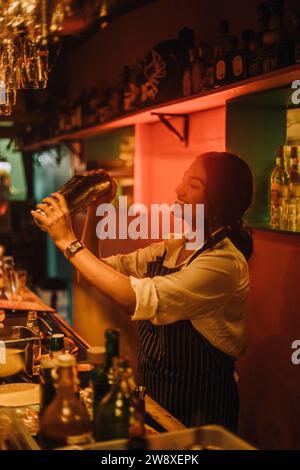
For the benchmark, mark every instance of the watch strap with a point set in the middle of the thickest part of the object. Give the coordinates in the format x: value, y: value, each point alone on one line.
x: 73, y: 248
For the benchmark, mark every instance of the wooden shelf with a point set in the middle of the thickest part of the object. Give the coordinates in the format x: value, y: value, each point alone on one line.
x: 211, y: 99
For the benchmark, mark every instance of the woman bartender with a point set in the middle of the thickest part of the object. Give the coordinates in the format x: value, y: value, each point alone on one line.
x: 190, y: 304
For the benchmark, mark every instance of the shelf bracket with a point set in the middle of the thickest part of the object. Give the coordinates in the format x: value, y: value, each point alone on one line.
x: 184, y: 136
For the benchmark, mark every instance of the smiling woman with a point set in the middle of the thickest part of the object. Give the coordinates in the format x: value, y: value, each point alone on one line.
x: 190, y: 306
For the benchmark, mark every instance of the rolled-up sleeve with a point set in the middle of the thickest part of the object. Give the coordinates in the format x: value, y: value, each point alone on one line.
x: 135, y: 263
x: 199, y: 289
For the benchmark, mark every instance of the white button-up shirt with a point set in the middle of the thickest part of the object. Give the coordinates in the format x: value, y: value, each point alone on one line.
x: 211, y: 292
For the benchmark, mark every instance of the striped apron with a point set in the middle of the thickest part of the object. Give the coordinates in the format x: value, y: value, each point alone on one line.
x: 182, y: 371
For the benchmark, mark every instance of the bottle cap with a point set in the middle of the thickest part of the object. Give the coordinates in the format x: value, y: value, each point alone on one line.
x: 96, y: 355
x: 65, y: 360
x: 57, y: 342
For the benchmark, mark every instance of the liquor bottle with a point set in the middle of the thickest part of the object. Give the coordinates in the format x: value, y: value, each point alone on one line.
x: 237, y: 60
x: 99, y: 382
x: 276, y: 46
x: 188, y: 60
x: 295, y: 17
x: 187, y: 74
x: 112, y: 347
x: 279, y: 192
x: 56, y: 345
x: 112, y: 420
x: 65, y: 421
x: 132, y: 90
x: 256, y: 44
x: 199, y: 68
x: 137, y: 418
x: 221, y: 56
x: 47, y: 387
x: 294, y: 189
x: 101, y: 377
x: 249, y: 46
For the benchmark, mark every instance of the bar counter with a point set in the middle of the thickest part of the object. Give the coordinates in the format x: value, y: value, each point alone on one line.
x: 157, y: 418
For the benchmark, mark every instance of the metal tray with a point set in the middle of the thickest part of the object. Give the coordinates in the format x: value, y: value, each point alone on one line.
x: 17, y: 344
x: 13, y: 434
x: 210, y: 437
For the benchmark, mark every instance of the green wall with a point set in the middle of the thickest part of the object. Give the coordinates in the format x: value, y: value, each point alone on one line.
x: 256, y: 125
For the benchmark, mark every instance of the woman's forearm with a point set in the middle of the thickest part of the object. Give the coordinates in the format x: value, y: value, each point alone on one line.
x: 89, y: 236
x: 110, y: 282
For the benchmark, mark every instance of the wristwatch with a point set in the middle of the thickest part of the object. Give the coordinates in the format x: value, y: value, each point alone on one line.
x: 73, y: 248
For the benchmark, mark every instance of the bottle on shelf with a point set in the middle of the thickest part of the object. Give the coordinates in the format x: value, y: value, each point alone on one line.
x: 221, y: 56
x: 131, y: 90
x: 276, y: 46
x: 294, y: 191
x: 256, y: 43
x: 249, y: 46
x: 56, y: 346
x: 295, y: 16
x: 65, y: 421
x: 237, y: 61
x: 188, y: 62
x: 199, y: 68
x: 279, y: 192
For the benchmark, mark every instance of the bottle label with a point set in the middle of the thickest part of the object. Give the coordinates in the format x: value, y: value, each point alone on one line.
x: 79, y: 439
x: 237, y: 66
x: 221, y: 69
x: 295, y: 190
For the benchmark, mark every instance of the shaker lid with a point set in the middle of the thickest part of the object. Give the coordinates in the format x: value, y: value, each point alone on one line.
x: 96, y: 355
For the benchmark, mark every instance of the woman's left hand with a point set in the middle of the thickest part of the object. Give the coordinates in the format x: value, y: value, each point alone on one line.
x: 57, y: 221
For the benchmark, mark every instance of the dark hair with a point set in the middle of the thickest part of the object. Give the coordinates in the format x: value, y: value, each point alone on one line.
x: 228, y: 194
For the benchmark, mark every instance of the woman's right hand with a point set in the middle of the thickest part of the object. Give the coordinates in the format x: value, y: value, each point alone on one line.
x: 108, y: 196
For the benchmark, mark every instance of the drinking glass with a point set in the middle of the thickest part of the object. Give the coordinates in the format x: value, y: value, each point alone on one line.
x: 22, y: 278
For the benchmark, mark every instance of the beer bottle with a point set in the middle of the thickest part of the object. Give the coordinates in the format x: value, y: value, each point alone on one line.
x: 99, y: 377
x: 111, y: 347
x: 65, y: 421
x: 112, y: 418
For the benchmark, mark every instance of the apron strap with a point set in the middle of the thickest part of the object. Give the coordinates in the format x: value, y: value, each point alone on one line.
x: 209, y: 244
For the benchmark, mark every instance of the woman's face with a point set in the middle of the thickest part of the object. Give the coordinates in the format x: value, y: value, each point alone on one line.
x: 191, y: 188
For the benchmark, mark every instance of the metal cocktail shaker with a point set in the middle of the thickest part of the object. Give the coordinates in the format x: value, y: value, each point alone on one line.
x: 82, y: 190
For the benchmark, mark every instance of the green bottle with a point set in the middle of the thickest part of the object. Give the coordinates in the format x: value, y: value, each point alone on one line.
x: 98, y: 378
x: 112, y: 420
x: 111, y: 347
